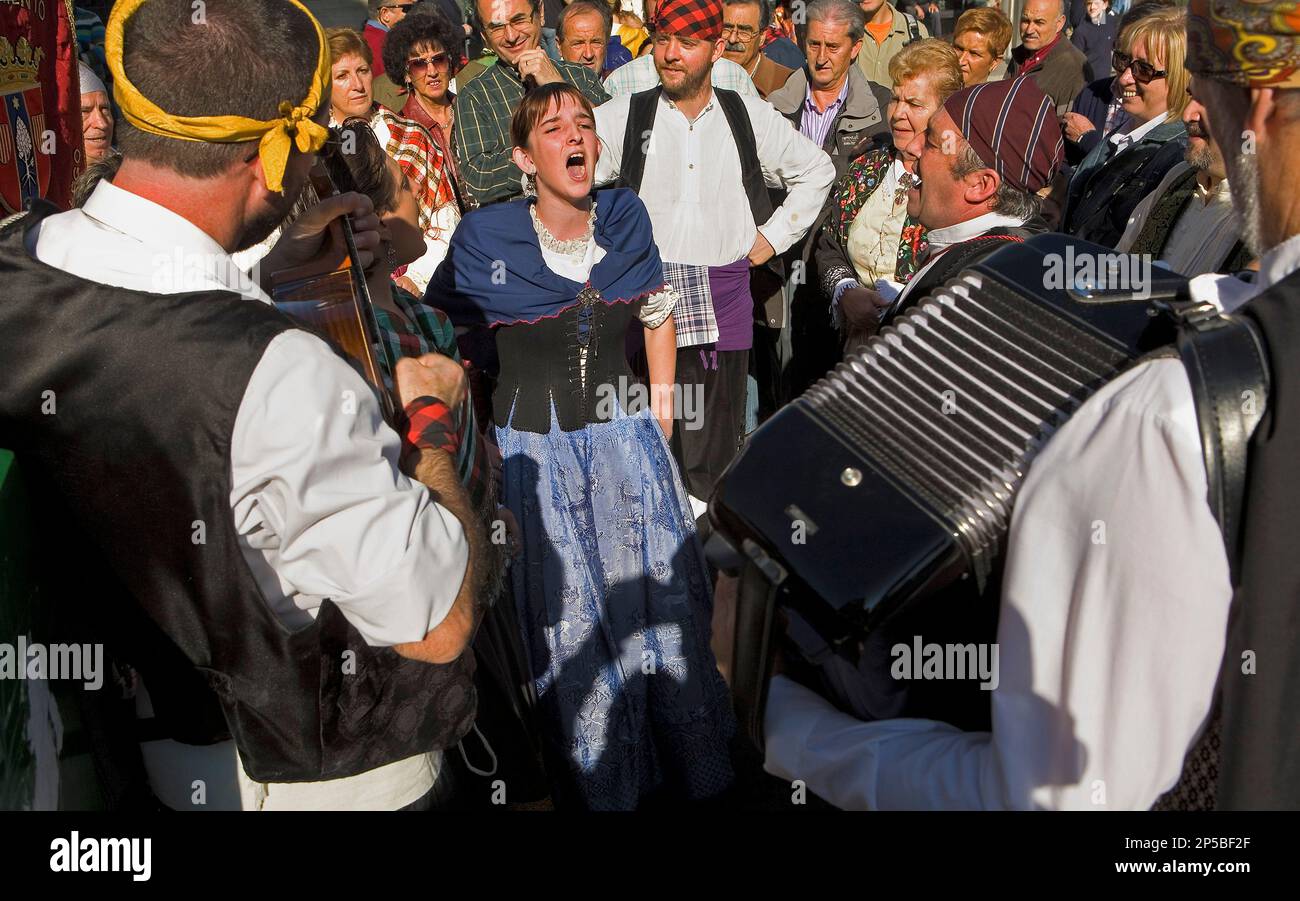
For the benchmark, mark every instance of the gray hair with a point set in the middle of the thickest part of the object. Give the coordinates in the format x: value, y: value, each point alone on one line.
x: 586, y: 6
x: 1008, y: 201
x: 840, y: 12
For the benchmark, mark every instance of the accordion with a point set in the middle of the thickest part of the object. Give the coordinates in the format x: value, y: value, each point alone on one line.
x: 890, y: 483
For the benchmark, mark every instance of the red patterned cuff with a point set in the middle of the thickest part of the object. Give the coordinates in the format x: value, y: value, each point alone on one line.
x: 429, y: 424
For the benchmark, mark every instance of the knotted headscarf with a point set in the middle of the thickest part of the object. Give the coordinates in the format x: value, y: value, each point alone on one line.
x: 292, y: 128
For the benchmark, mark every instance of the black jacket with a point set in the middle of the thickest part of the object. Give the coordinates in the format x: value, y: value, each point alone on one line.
x: 1104, y: 190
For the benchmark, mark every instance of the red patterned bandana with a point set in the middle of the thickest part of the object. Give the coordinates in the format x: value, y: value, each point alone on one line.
x: 699, y: 19
x: 1011, y: 125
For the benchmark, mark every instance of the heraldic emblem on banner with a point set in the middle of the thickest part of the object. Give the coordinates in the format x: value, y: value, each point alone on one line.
x: 24, y: 168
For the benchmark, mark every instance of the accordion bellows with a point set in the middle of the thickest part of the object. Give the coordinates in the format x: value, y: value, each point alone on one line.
x: 897, y: 473
x: 953, y: 401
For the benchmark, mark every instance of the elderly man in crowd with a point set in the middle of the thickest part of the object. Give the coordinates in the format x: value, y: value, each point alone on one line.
x: 96, y: 116
x: 583, y: 36
x: 384, y: 14
x: 744, y: 22
x: 484, y: 107
x: 1046, y: 55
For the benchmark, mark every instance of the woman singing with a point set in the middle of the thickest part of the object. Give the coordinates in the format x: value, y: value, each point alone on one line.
x: 612, y: 589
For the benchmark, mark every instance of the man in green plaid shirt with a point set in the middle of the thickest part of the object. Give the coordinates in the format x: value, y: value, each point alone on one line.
x: 512, y: 29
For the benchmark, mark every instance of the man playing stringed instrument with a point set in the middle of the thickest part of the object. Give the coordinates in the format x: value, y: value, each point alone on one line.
x: 301, y: 577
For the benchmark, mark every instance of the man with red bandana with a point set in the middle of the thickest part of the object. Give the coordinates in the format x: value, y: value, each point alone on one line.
x: 702, y: 158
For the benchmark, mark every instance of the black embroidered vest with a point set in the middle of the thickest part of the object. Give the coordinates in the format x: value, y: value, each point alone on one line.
x: 543, y: 363
x: 123, y: 404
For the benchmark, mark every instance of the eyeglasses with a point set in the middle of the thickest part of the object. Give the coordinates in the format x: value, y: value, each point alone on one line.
x: 420, y: 63
x: 742, y: 34
x: 518, y: 23
x: 404, y: 7
x: 1143, y: 71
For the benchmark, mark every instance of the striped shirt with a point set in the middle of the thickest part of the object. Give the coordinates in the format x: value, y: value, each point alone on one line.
x: 484, y: 108
x: 815, y: 125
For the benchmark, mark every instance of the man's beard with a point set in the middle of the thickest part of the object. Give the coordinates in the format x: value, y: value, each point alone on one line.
x: 1245, y: 196
x: 691, y: 84
x: 1201, y: 157
x: 257, y: 228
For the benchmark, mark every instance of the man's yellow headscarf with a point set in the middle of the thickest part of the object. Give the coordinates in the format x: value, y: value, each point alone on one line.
x: 294, y: 127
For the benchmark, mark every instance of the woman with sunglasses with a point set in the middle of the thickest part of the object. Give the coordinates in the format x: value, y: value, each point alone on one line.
x: 423, y: 54
x: 1151, y: 84
x: 408, y: 142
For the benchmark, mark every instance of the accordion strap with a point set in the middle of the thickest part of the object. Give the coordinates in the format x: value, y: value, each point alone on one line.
x: 1228, y: 369
x: 752, y: 658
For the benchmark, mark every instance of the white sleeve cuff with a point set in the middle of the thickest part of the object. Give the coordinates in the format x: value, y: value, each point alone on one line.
x: 841, y: 286
x: 657, y: 307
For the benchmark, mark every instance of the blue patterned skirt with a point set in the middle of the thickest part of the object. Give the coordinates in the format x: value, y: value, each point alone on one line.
x: 615, y: 605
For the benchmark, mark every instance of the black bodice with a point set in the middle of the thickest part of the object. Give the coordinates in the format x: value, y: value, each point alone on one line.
x: 541, y: 363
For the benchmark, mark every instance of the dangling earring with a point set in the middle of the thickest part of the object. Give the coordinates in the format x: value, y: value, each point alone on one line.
x: 530, y: 184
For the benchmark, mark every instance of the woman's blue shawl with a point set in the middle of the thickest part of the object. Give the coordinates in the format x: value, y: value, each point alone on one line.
x: 494, y: 273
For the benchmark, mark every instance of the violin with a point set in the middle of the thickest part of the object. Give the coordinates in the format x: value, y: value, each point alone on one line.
x: 329, y: 294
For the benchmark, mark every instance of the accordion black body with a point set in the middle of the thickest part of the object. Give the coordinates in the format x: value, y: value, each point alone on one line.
x: 879, y: 501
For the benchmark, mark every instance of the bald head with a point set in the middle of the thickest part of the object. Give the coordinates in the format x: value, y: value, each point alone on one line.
x: 1040, y: 23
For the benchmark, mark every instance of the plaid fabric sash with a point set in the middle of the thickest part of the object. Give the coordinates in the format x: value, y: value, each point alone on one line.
x: 693, y: 316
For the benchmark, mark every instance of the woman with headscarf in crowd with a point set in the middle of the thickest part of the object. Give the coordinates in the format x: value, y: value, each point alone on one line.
x: 406, y: 141
x: 1124, y: 167
x: 612, y: 588
x: 424, y: 52
x: 869, y: 241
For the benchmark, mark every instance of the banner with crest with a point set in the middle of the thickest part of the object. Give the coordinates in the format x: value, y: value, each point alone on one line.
x: 40, y: 103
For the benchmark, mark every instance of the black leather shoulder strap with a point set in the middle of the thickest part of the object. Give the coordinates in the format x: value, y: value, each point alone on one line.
x: 751, y: 171
x: 1227, y: 366
x: 636, y: 137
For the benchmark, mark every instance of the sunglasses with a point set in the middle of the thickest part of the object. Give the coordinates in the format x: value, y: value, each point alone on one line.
x: 420, y: 63
x: 1143, y: 71
x: 404, y: 7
